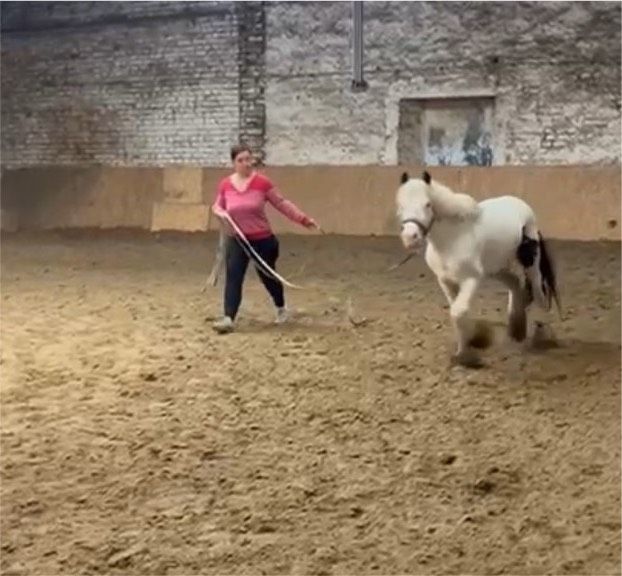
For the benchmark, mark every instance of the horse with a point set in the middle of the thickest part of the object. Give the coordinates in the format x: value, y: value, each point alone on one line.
x: 468, y: 241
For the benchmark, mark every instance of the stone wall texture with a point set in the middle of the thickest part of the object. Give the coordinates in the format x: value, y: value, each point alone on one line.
x: 163, y: 83
x: 132, y: 83
x: 553, y: 68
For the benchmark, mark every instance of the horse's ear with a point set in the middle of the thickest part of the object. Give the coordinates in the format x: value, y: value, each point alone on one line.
x: 404, y: 178
x: 426, y: 177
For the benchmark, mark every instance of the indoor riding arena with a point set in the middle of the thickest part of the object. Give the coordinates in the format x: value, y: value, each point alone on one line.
x: 136, y: 440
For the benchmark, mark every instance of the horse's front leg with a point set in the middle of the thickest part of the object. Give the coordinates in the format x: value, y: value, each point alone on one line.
x: 449, y: 288
x: 463, y: 326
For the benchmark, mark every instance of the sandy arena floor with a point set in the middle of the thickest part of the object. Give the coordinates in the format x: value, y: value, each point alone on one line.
x: 136, y: 441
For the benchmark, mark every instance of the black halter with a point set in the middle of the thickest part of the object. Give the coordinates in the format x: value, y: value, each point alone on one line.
x: 425, y: 230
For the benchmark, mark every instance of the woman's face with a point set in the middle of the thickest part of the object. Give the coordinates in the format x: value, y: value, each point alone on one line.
x: 243, y: 163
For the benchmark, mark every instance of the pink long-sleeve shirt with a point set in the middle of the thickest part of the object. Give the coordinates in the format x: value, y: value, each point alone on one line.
x: 247, y: 207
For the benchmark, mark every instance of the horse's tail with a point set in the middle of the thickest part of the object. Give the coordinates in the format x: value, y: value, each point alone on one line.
x: 536, y: 259
x: 547, y: 272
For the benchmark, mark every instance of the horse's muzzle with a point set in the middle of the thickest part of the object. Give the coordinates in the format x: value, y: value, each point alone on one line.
x: 412, y: 244
x: 412, y: 235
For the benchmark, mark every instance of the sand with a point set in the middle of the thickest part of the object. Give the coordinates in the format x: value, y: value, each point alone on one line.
x: 137, y: 441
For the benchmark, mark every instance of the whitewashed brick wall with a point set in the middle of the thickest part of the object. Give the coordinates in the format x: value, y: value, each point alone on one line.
x: 159, y: 83
x: 553, y: 67
x: 136, y: 83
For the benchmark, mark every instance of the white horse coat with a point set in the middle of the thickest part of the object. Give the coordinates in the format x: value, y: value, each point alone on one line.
x: 468, y: 241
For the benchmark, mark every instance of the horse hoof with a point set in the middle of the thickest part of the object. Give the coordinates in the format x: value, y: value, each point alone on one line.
x: 482, y: 335
x: 517, y: 329
x: 543, y: 338
x: 467, y: 358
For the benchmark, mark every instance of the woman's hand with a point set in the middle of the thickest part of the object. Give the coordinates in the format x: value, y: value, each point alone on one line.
x: 311, y: 223
x: 218, y: 211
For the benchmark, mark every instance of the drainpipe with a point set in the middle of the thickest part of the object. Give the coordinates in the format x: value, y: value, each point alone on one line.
x: 358, y: 82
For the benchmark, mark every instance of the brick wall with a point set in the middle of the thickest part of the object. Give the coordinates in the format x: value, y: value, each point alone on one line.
x: 553, y: 69
x: 160, y: 83
x: 136, y: 83
x: 252, y: 78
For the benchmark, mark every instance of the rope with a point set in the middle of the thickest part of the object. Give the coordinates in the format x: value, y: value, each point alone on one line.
x: 251, y: 253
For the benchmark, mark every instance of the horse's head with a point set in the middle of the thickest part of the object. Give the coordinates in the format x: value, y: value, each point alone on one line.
x: 414, y: 209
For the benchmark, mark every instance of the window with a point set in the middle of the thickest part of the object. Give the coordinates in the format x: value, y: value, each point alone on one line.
x: 446, y: 131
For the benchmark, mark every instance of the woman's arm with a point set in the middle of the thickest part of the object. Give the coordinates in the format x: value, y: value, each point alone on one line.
x: 288, y: 208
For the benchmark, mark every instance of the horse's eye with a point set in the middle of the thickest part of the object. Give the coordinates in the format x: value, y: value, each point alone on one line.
x: 428, y: 204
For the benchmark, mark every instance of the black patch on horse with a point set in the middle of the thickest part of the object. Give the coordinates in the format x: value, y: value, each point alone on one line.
x: 426, y: 177
x: 404, y: 178
x: 527, y: 251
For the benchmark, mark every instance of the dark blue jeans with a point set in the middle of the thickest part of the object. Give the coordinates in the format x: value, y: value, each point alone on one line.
x: 237, y: 263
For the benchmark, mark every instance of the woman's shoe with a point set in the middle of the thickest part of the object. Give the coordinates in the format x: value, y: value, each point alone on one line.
x: 223, y: 326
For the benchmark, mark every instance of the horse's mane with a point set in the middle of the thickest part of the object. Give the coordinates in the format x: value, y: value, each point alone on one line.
x: 445, y: 202
x: 450, y: 204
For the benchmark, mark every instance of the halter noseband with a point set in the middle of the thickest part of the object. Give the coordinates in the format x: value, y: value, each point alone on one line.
x: 425, y: 230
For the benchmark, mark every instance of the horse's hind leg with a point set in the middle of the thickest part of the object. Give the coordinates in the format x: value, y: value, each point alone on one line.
x: 517, y: 305
x: 528, y: 255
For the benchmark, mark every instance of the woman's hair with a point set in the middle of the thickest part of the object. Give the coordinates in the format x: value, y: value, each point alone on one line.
x: 238, y: 149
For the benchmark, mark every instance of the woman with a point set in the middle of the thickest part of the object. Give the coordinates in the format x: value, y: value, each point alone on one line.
x: 243, y: 196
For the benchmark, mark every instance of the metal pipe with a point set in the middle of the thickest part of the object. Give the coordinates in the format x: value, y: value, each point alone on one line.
x: 358, y: 82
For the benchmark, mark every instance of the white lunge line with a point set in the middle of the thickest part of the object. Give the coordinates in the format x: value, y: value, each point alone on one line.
x: 256, y: 256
